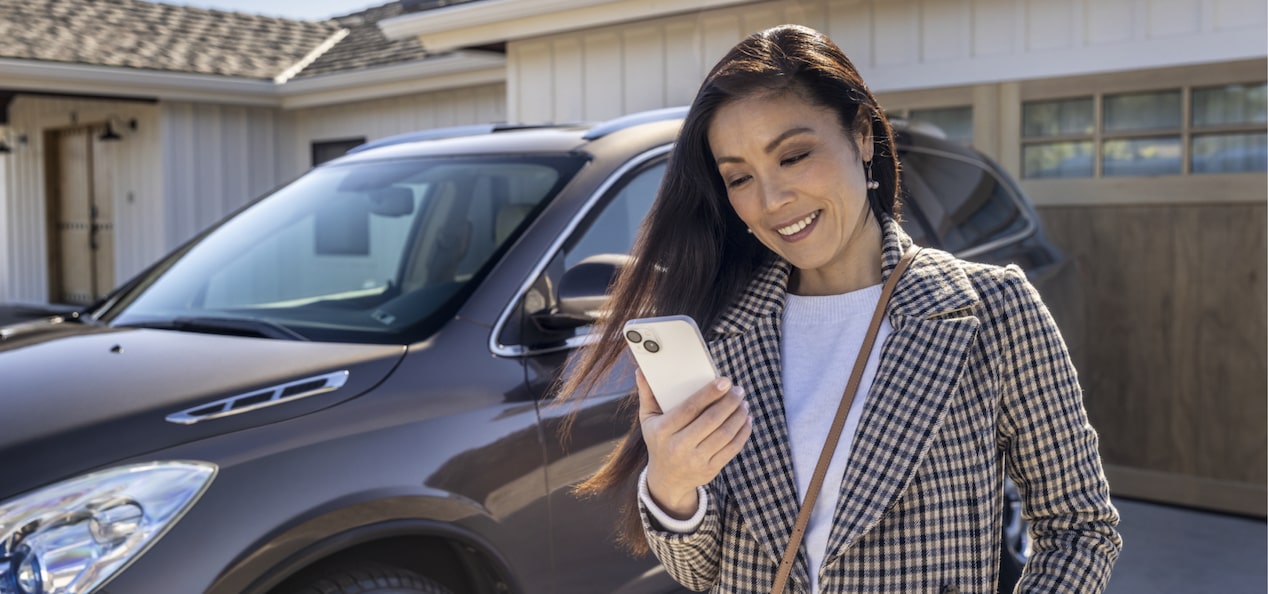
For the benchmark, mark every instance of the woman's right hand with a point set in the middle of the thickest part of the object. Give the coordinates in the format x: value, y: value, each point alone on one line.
x: 688, y: 446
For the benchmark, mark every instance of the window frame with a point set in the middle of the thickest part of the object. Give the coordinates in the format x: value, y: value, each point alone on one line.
x: 610, y: 187
x: 1187, y: 188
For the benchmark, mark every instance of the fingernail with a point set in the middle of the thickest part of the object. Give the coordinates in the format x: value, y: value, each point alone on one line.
x: 723, y: 384
x: 739, y: 391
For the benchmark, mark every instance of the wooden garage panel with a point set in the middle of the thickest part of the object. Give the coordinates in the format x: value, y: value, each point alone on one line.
x: 1175, y: 370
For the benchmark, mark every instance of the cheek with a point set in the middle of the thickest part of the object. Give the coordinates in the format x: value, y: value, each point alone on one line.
x: 742, y: 205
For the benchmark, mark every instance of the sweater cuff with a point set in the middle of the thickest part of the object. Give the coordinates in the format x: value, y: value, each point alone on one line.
x: 671, y: 524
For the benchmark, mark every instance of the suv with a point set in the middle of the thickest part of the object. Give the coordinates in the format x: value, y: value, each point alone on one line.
x: 346, y: 385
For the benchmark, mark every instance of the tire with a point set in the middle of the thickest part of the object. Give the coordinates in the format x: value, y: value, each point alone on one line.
x: 368, y: 578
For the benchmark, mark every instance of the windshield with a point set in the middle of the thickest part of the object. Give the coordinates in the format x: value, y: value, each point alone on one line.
x: 360, y: 252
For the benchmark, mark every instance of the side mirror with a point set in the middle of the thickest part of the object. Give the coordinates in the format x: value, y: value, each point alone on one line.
x: 583, y: 292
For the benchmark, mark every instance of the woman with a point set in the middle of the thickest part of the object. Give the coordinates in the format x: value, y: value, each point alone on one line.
x: 774, y: 229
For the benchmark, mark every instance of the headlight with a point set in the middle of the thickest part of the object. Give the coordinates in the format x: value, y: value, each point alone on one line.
x: 73, y: 536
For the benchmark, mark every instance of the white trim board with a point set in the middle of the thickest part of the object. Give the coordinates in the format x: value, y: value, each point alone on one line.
x: 494, y: 21
x: 436, y: 72
x: 1208, y: 48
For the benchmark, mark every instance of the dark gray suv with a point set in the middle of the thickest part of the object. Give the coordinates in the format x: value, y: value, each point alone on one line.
x: 345, y: 386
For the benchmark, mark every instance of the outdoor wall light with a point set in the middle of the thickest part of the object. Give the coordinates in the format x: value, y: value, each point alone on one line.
x: 10, y: 139
x: 110, y: 135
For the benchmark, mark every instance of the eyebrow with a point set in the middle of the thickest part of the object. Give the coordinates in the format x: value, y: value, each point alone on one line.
x: 771, y: 146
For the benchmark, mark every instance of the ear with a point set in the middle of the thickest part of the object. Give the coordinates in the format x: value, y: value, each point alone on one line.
x: 863, y: 137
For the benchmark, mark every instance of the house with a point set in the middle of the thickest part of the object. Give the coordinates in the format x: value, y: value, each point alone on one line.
x: 1136, y: 126
x: 132, y: 125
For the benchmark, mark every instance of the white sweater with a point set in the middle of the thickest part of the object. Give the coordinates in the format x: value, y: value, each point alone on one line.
x: 821, y: 339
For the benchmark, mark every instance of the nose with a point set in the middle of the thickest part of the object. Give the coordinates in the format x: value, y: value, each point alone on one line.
x: 775, y: 193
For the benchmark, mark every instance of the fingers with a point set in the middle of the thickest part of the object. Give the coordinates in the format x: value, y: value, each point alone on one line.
x: 712, y: 419
x: 732, y: 448
x: 688, y: 445
x: 697, y: 404
x: 717, y: 439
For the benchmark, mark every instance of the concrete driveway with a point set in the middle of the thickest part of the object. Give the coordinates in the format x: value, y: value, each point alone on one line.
x: 1172, y: 550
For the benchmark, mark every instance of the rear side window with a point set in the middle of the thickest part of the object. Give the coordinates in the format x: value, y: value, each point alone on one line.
x: 960, y: 201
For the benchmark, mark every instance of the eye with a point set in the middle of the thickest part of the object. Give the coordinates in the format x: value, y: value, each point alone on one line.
x: 794, y: 159
x: 737, y: 182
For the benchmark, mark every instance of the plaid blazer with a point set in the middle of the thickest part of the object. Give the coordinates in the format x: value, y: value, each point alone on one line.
x: 973, y: 382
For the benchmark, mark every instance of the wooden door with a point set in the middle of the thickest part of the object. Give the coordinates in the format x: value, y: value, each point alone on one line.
x: 81, y: 210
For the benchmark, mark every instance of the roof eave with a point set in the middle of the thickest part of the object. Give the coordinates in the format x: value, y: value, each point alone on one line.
x: 492, y: 21
x: 446, y: 71
x: 38, y: 76
x: 434, y: 73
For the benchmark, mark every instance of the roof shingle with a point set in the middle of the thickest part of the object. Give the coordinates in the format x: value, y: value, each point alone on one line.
x: 365, y: 45
x: 146, y: 35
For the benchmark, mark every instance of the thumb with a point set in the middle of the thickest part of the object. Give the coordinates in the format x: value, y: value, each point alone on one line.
x: 647, y: 405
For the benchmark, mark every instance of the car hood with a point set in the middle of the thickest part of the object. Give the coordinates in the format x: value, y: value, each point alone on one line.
x: 77, y: 397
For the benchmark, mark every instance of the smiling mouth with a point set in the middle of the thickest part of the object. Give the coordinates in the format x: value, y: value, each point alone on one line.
x: 799, y: 225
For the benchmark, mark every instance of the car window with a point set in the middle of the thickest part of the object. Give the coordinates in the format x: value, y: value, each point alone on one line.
x: 610, y: 228
x: 361, y: 252
x: 614, y: 229
x: 959, y: 200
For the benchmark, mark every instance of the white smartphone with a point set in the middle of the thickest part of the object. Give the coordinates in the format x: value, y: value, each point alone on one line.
x: 672, y: 355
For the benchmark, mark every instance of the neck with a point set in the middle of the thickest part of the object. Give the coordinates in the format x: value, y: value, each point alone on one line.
x: 861, y: 269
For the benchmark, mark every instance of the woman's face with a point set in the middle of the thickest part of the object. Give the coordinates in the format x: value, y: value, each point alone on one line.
x: 794, y: 176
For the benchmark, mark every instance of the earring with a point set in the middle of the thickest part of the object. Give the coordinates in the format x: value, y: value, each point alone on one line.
x: 749, y: 229
x: 871, y: 183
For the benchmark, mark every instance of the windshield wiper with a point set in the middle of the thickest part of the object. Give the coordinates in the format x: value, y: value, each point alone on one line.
x: 229, y: 326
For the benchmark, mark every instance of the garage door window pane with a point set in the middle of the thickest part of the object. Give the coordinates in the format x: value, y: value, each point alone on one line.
x: 1057, y: 159
x: 1142, y: 156
x: 1142, y: 111
x: 955, y: 122
x: 1058, y: 118
x: 1230, y: 105
x: 1230, y: 153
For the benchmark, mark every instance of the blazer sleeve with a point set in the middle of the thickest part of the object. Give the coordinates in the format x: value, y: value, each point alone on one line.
x: 1051, y: 451
x: 690, y: 558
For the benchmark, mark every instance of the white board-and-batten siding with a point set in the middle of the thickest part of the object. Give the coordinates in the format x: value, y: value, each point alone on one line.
x: 896, y: 44
x: 135, y: 185
x: 385, y: 117
x: 188, y: 165
x: 216, y: 158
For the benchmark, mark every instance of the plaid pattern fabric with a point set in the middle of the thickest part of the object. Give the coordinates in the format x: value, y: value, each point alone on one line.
x: 973, y: 382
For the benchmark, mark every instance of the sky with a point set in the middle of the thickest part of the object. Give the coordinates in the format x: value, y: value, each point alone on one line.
x: 313, y: 10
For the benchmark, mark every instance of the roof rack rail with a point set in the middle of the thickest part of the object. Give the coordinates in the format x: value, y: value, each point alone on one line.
x: 449, y: 132
x: 635, y: 119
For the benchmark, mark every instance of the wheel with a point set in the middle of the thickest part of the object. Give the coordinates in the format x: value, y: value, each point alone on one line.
x: 367, y: 578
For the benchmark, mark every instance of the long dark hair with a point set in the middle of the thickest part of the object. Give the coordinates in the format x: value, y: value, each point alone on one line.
x: 693, y: 254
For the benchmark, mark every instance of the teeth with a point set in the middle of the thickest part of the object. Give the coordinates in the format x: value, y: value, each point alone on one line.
x: 799, y: 225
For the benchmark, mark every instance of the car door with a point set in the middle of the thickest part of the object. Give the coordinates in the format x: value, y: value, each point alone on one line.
x: 586, y: 557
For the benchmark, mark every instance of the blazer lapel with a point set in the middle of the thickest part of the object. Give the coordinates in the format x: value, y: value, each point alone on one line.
x: 920, y: 367
x: 746, y: 342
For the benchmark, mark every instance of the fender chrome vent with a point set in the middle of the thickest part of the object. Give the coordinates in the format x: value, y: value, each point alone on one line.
x: 278, y: 394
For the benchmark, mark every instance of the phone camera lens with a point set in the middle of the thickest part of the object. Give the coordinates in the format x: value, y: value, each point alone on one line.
x: 634, y: 337
x: 651, y: 346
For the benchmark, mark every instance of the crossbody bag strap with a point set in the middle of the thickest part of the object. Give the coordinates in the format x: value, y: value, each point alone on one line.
x: 838, y: 424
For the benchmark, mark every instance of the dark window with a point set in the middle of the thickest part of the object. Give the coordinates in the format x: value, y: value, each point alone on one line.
x: 958, y: 199
x: 328, y: 150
